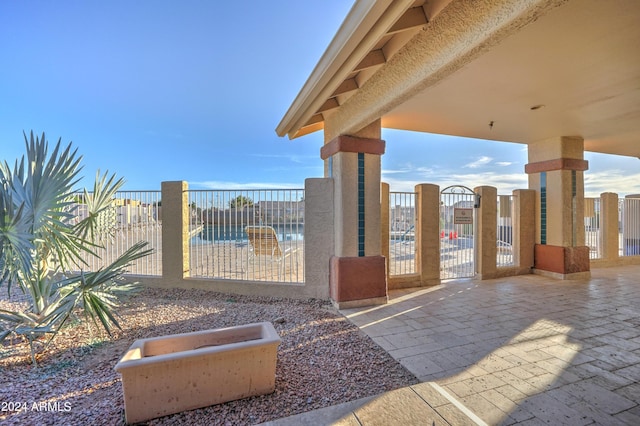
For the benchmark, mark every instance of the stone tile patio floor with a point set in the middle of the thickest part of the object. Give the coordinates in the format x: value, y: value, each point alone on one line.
x: 526, y: 350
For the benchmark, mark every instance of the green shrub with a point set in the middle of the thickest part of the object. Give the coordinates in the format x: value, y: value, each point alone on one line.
x: 39, y: 243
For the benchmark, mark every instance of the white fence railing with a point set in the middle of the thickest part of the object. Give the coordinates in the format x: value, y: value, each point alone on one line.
x: 592, y: 232
x: 223, y: 222
x: 253, y: 235
x: 504, y: 231
x: 630, y: 226
x: 134, y: 216
x: 402, y: 235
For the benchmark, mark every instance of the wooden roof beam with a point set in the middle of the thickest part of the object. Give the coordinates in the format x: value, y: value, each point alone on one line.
x: 412, y: 18
x: 373, y: 58
x: 349, y: 85
x: 330, y: 103
x: 315, y: 119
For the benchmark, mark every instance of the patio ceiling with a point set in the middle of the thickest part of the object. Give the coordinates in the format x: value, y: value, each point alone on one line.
x: 500, y: 70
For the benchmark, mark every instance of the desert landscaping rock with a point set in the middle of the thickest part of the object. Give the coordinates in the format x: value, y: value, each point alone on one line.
x: 323, y: 360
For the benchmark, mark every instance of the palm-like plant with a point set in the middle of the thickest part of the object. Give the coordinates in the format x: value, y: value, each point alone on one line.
x: 39, y: 243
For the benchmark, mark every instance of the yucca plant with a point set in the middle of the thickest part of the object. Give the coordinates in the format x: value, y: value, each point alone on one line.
x: 39, y: 243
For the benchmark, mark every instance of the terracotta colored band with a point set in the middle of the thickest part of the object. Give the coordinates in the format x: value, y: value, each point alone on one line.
x: 357, y: 278
x: 562, y: 260
x: 557, y: 164
x: 352, y: 144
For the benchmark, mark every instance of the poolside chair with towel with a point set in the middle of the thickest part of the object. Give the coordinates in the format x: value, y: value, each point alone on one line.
x: 264, y: 247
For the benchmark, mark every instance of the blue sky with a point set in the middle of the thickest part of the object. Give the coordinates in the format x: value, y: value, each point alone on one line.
x: 193, y: 90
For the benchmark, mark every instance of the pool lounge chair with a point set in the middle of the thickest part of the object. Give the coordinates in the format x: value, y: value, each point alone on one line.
x: 264, y: 247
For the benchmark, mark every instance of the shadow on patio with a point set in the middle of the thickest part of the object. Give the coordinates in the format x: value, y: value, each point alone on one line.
x: 518, y: 350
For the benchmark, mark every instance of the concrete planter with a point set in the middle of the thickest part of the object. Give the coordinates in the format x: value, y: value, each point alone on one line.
x: 170, y: 374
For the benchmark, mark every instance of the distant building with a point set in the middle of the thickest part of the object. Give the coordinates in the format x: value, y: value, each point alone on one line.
x: 281, y: 211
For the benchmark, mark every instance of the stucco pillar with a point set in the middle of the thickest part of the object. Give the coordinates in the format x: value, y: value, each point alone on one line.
x: 428, y: 234
x: 318, y: 235
x: 609, y: 227
x: 175, y: 230
x: 556, y: 172
x: 486, y: 231
x: 358, y: 275
x: 524, y: 229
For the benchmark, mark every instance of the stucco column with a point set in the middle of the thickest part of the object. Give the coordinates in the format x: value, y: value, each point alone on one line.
x: 524, y: 229
x: 486, y: 231
x: 609, y: 226
x: 175, y: 230
x: 318, y: 235
x: 428, y: 234
x: 556, y: 172
x: 358, y: 276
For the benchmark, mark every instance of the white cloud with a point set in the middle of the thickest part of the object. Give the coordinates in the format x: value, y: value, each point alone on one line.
x: 504, y: 163
x: 615, y: 181
x: 622, y: 181
x: 479, y: 162
x: 294, y: 158
x: 403, y: 185
x: 394, y: 172
x: 425, y: 170
x: 310, y: 171
x: 409, y: 168
x: 225, y: 185
x: 505, y: 183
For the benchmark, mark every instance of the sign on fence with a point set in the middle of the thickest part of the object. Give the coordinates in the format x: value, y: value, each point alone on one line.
x: 462, y: 216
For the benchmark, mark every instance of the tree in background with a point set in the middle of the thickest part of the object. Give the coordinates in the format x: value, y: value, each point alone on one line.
x: 240, y: 201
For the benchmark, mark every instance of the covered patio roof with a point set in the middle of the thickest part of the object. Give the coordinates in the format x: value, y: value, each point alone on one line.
x: 504, y: 70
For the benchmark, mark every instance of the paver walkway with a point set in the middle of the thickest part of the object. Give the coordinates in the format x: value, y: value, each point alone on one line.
x: 526, y: 350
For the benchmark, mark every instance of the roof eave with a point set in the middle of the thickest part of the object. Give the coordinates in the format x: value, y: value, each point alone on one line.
x: 367, y: 21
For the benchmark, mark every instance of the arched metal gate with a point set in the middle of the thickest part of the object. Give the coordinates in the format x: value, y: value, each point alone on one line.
x: 457, y: 223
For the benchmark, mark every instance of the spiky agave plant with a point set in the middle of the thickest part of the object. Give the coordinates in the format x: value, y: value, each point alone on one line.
x: 39, y: 242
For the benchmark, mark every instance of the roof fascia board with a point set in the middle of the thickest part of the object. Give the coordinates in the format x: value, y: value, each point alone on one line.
x: 366, y: 22
x: 457, y: 35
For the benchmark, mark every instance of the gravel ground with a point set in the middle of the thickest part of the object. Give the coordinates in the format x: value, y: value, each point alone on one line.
x: 323, y: 360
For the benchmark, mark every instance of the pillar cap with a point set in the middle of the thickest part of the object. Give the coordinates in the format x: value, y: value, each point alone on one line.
x: 346, y: 143
x: 557, y: 164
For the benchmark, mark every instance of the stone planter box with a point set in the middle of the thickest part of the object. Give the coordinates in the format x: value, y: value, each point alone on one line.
x: 170, y: 374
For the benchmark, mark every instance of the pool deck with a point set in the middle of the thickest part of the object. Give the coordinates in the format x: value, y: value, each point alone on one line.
x: 525, y: 350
